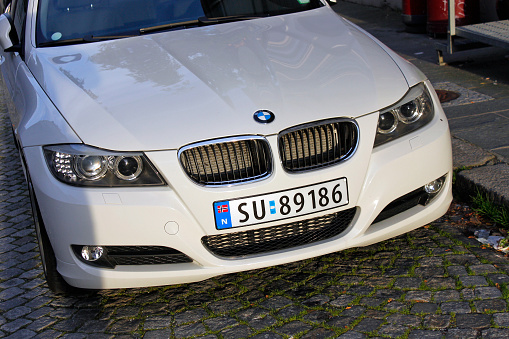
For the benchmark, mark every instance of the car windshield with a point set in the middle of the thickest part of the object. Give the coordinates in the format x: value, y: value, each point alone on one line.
x: 61, y: 21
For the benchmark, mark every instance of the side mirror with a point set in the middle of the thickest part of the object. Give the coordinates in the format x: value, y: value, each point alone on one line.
x: 5, y: 31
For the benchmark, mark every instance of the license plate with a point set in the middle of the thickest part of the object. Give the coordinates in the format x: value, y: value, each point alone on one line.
x: 281, y: 205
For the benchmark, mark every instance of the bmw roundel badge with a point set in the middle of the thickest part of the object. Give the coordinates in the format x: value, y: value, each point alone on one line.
x: 264, y: 116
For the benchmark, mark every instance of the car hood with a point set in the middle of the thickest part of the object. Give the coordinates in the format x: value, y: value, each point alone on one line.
x: 166, y: 90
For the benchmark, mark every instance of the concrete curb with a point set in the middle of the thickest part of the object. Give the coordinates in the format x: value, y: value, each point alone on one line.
x: 479, y: 170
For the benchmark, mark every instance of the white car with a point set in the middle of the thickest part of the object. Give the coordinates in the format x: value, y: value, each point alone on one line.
x: 170, y: 141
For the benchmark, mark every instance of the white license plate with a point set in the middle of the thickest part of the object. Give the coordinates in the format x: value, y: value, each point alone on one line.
x: 281, y: 205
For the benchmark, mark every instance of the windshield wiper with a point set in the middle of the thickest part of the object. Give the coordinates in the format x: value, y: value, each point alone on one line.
x: 202, y: 21
x: 85, y: 39
x: 165, y: 27
x: 224, y: 19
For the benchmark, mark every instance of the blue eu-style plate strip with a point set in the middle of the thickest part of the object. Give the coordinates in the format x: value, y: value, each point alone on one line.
x: 222, y: 215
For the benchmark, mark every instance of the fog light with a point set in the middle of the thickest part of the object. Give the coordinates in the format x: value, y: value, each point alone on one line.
x: 435, y: 186
x: 92, y: 253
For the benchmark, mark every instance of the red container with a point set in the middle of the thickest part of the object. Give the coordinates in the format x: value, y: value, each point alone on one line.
x: 467, y: 12
x: 415, y: 15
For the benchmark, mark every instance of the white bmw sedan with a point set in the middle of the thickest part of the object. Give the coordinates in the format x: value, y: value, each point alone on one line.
x: 170, y: 141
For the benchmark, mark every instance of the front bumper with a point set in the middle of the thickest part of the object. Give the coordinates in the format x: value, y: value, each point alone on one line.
x: 179, y: 215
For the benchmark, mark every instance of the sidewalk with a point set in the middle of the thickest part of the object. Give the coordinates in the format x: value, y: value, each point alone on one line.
x: 478, y: 119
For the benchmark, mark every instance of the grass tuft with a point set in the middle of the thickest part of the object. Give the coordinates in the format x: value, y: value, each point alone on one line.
x: 487, y: 208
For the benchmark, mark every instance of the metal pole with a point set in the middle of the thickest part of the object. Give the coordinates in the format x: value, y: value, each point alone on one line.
x: 452, y: 25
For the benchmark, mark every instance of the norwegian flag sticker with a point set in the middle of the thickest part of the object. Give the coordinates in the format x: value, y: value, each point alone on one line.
x: 222, y: 215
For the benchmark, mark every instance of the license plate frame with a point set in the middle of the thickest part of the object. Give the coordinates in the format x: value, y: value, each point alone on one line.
x: 273, y: 206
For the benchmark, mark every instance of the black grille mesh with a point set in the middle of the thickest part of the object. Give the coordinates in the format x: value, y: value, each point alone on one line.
x: 279, y: 237
x: 313, y: 146
x: 227, y: 162
x: 145, y: 255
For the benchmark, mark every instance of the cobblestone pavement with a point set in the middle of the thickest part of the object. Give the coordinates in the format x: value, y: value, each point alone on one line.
x: 430, y: 283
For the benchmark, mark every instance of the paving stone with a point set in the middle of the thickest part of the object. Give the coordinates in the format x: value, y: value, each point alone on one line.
x: 446, y: 295
x: 424, y: 334
x: 457, y: 271
x: 21, y: 334
x: 293, y: 328
x: 354, y: 311
x: 455, y: 307
x: 317, y: 316
x: 156, y: 323
x: 483, y: 306
x: 276, y: 303
x: 419, y: 296
x: 17, y: 312
x: 408, y: 283
x: 493, y: 333
x: 427, y: 272
x: 462, y: 259
x: 499, y: 278
x: 225, y: 306
x: 220, y: 323
x: 404, y: 319
x: 473, y: 321
x: 473, y: 281
x: 424, y: 308
x: 343, y: 300
x: 439, y: 282
x: 42, y: 323
x: 290, y: 311
x: 319, y: 333
x: 436, y: 321
x: 487, y: 292
x: 352, y: 335
x: 15, y: 325
x: 368, y: 325
x: 190, y: 316
x: 468, y: 294
x: 125, y: 326
x: 158, y: 334
x: 191, y: 330
x: 455, y: 333
x: 501, y: 319
x: 317, y: 300
x: 393, y: 330
x: 483, y: 268
x: 267, y: 335
x: 341, y: 322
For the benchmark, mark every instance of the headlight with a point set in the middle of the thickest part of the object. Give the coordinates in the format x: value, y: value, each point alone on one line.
x: 81, y: 165
x: 412, y: 112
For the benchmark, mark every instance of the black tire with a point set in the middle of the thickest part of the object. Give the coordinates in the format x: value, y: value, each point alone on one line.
x: 55, y: 281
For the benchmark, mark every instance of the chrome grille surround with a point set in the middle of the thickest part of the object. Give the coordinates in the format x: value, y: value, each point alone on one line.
x: 318, y: 144
x: 227, y: 161
x: 280, y: 237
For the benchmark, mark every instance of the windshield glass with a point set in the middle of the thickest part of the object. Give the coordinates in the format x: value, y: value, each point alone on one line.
x: 62, y: 20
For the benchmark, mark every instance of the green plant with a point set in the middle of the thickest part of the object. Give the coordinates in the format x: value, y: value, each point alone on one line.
x: 487, y: 208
